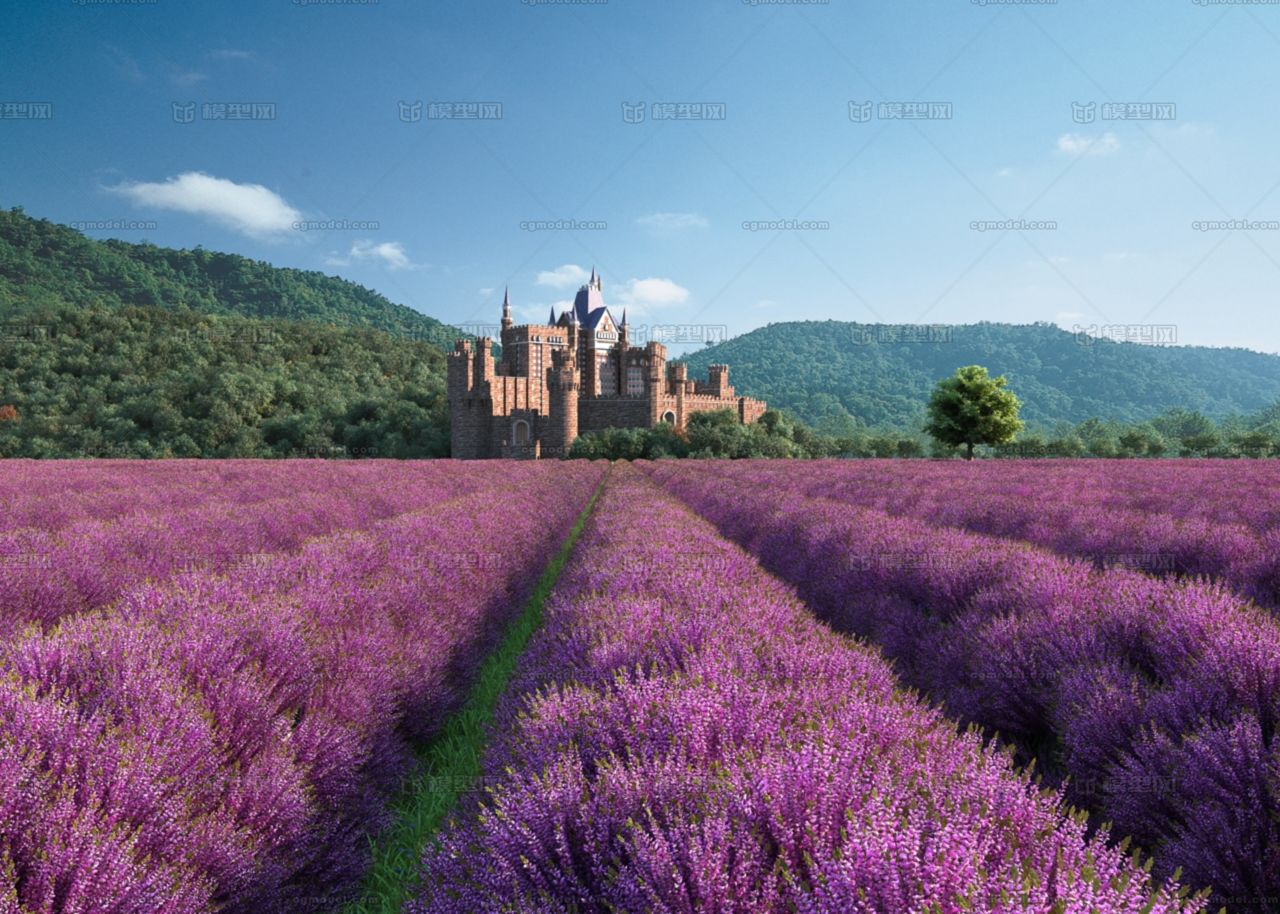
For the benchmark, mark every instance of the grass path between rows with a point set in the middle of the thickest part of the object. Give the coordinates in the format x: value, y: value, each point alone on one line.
x: 450, y: 763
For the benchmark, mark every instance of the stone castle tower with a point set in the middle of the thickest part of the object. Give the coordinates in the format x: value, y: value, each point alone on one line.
x: 576, y: 373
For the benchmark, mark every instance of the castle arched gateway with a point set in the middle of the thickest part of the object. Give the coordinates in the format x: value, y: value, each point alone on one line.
x: 576, y: 373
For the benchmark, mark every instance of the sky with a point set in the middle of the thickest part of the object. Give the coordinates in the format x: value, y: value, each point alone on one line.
x: 1107, y: 166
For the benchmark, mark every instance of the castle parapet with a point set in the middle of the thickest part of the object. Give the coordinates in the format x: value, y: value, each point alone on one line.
x: 717, y: 384
x: 569, y: 376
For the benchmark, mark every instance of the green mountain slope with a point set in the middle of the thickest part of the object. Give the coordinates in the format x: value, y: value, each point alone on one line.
x: 42, y: 264
x: 148, y: 382
x: 120, y: 350
x: 840, y: 375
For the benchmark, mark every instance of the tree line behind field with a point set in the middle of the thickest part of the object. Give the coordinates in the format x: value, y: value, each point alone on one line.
x: 1177, y: 433
x: 149, y: 382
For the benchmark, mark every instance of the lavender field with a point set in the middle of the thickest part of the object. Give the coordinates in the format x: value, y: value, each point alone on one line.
x: 208, y: 696
x: 754, y: 686
x: 1150, y: 698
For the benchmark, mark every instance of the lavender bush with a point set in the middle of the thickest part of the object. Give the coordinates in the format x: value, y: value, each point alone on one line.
x: 1158, y: 699
x: 1171, y: 518
x: 684, y: 737
x: 226, y: 742
x: 50, y: 572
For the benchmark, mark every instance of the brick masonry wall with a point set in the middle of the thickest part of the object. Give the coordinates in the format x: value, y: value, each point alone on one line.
x: 484, y: 406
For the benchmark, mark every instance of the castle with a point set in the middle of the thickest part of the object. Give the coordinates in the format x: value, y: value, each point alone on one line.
x: 576, y: 373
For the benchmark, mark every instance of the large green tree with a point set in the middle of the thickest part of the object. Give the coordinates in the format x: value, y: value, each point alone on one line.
x: 972, y: 408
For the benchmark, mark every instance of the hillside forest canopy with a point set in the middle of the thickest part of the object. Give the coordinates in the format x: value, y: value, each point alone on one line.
x: 112, y: 349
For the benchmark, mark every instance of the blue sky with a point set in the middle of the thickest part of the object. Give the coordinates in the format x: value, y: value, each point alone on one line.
x: 870, y: 220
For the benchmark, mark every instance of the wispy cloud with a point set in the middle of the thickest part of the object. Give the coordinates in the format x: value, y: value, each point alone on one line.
x: 1077, y: 144
x: 390, y: 254
x: 564, y: 277
x: 536, y: 312
x: 186, y: 78
x: 125, y: 65
x: 640, y: 295
x: 231, y: 54
x: 652, y: 293
x: 247, y: 208
x: 667, y: 223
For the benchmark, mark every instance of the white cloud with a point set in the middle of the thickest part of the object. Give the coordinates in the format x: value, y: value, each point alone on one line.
x: 637, y: 294
x: 1187, y: 130
x: 390, y: 254
x: 565, y: 277
x: 230, y: 54
x: 672, y: 222
x: 642, y: 293
x: 126, y: 66
x: 536, y: 312
x: 187, y: 78
x: 1004, y: 172
x: 485, y: 293
x: 248, y: 208
x: 1077, y: 144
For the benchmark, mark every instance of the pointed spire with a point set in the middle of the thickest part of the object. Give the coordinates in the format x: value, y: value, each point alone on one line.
x: 624, y: 317
x: 551, y: 321
x: 506, y: 308
x: 593, y: 277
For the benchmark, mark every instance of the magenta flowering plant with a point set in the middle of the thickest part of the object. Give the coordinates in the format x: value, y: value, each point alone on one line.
x: 50, y: 495
x: 1169, y: 518
x: 227, y: 741
x: 1155, y: 700
x: 256, y: 509
x: 683, y: 736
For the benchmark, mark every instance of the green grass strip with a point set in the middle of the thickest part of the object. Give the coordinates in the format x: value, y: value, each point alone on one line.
x: 451, y: 762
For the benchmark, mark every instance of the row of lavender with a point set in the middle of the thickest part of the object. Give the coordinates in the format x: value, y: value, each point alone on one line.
x: 1218, y: 491
x: 684, y: 737
x: 216, y: 743
x: 251, y: 511
x: 1216, y: 519
x: 50, y: 495
x: 1159, y: 699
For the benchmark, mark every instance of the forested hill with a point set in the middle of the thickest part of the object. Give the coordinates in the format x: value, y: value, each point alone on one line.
x: 839, y: 375
x: 43, y: 264
x: 148, y: 382
x: 121, y: 350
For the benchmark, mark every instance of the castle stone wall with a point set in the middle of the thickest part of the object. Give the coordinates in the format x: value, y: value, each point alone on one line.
x: 546, y: 380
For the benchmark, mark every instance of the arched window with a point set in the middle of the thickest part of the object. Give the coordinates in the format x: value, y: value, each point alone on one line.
x: 669, y: 417
x: 520, y: 432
